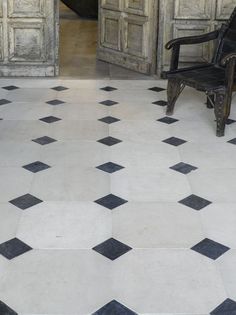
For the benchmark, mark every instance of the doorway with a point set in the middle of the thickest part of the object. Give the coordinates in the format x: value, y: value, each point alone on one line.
x: 77, y: 50
x: 78, y: 42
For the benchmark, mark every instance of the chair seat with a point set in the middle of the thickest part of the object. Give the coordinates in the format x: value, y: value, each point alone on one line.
x: 204, y: 78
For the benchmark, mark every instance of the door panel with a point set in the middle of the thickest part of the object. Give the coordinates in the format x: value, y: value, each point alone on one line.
x: 139, y: 7
x: 199, y: 10
x: 192, y: 18
x: 135, y: 35
x: 111, y: 30
x: 30, y: 38
x: 26, y: 8
x: 26, y: 42
x: 115, y: 5
x: 128, y: 38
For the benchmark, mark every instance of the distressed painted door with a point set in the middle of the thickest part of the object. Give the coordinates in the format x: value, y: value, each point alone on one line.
x: 186, y: 18
x: 128, y: 33
x: 28, y: 37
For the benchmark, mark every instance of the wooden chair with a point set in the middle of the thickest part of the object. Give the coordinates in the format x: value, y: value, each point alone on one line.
x: 217, y: 78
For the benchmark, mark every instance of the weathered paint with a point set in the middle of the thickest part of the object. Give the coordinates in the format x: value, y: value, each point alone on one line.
x: 28, y: 37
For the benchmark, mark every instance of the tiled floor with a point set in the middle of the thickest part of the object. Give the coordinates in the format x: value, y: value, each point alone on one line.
x: 109, y: 208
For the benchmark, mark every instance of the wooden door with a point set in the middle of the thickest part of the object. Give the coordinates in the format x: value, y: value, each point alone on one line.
x: 186, y: 18
x: 28, y: 37
x: 128, y: 33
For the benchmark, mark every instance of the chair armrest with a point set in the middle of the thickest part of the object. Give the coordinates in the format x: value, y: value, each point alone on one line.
x: 189, y: 40
x: 228, y: 58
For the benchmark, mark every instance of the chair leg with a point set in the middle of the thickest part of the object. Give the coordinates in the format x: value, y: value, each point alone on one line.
x: 173, y: 92
x: 228, y: 106
x: 210, y: 101
x: 221, y: 112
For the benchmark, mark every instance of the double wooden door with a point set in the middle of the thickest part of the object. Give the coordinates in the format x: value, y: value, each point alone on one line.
x: 28, y: 38
x: 128, y: 33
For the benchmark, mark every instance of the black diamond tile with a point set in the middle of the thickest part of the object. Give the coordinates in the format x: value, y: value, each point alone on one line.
x: 195, y: 202
x: 114, y: 308
x: 108, y: 89
x: 112, y: 249
x: 230, y: 121
x: 183, y: 168
x: 228, y: 307
x: 168, y: 120
x: 13, y: 248
x: 50, y: 119
x: 160, y: 103
x: 10, y: 87
x: 233, y: 141
x: 4, y: 102
x: 55, y: 102
x: 108, y: 103
x: 174, y: 141
x: 109, y: 141
x: 157, y: 89
x: 110, y: 167
x: 6, y: 310
x: 111, y: 201
x: 59, y: 88
x: 44, y: 140
x: 36, y: 167
x: 26, y: 201
x: 109, y: 120
x: 210, y: 248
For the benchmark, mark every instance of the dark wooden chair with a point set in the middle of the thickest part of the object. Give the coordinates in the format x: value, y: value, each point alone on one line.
x: 217, y: 78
